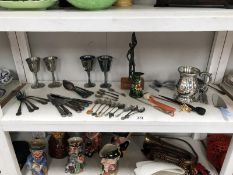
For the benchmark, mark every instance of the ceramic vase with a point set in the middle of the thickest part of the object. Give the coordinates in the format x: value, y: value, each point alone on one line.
x: 136, y: 86
x: 58, y: 145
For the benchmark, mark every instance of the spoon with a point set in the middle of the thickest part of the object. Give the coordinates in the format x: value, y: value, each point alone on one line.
x: 109, y: 107
x: 102, y: 102
x: 71, y: 87
x: 103, y: 93
x: 113, y: 90
x: 125, y: 110
x: 90, y: 111
x: 138, y: 110
x: 121, y: 106
x: 100, y: 112
x: 102, y: 96
x: 113, y: 107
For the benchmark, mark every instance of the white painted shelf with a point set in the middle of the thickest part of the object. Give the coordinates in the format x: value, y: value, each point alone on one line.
x: 138, y: 18
x: 127, y: 164
x: 47, y: 117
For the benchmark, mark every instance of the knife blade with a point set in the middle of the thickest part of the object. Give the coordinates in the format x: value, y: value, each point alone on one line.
x: 219, y: 103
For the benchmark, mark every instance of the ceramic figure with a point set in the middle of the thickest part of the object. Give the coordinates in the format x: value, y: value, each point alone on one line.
x: 110, y: 155
x: 37, y: 160
x: 76, y: 157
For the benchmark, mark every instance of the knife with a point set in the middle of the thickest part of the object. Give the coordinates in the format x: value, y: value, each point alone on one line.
x: 219, y: 103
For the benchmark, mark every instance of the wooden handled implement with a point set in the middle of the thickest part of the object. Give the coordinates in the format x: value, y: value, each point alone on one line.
x: 160, y: 106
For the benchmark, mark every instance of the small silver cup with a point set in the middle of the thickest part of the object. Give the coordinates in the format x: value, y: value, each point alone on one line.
x: 34, y: 66
x: 50, y: 63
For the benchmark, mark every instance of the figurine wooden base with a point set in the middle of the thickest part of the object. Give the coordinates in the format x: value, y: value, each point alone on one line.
x: 126, y: 83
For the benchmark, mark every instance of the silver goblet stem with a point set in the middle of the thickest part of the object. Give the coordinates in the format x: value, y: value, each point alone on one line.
x: 50, y: 63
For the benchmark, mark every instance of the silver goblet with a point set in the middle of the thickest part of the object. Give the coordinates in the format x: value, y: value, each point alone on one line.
x: 50, y: 63
x: 88, y: 62
x: 34, y: 66
x: 105, y: 66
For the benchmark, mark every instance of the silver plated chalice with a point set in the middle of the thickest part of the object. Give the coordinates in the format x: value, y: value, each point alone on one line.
x: 105, y: 62
x: 50, y: 63
x: 34, y: 66
x: 88, y: 62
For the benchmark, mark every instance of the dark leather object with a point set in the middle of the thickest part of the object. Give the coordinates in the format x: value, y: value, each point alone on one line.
x: 193, y: 3
x: 156, y: 148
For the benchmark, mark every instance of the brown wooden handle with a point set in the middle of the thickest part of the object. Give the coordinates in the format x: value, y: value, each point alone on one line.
x: 162, y: 106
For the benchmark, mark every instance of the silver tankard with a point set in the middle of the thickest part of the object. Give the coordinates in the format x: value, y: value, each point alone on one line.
x: 188, y: 85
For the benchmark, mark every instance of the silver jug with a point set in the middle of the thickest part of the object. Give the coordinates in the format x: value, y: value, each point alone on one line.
x: 188, y: 86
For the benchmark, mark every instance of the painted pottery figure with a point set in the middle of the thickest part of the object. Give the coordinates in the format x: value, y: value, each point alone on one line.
x: 58, y: 145
x: 121, y: 140
x: 110, y: 155
x: 136, y: 86
x: 76, y: 158
x: 37, y: 160
x: 93, y: 142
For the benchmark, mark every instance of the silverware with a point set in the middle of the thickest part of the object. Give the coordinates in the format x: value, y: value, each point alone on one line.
x: 121, y: 106
x: 80, y: 91
x: 99, y: 114
x: 113, y: 90
x: 101, y: 103
x: 19, y: 112
x: 103, y: 91
x: 106, y: 94
x: 133, y: 112
x: 98, y: 95
x: 20, y: 98
x: 113, y: 107
x: 126, y: 109
x: 96, y: 102
x: 167, y: 84
x: 44, y: 102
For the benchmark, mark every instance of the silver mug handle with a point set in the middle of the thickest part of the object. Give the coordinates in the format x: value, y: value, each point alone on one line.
x: 206, y: 77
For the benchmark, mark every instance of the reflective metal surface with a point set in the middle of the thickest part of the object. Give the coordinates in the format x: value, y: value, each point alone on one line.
x: 105, y: 62
x: 188, y: 86
x: 50, y: 63
x: 88, y: 62
x: 34, y: 66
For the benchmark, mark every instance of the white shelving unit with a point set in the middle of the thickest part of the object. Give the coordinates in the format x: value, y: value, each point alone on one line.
x: 139, y: 19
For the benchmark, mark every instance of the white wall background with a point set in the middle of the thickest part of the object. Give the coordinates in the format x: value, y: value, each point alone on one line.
x: 6, y: 59
x: 158, y: 55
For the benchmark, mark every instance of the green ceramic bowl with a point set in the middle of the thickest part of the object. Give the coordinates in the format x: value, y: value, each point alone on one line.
x: 27, y: 5
x: 92, y: 4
